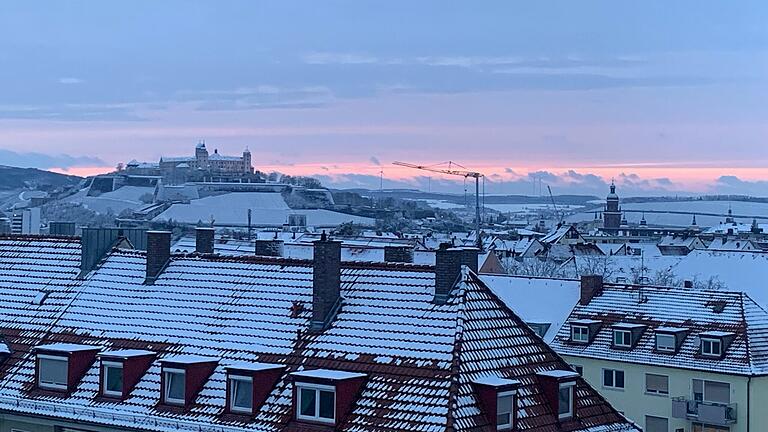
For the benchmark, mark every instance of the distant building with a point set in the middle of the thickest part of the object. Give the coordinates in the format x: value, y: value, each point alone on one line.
x: 26, y: 221
x: 612, y: 215
x: 179, y: 168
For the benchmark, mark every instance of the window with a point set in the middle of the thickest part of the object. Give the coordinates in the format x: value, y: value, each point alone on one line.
x: 711, y: 391
x: 656, y: 424
x: 505, y: 410
x: 241, y: 394
x: 565, y: 400
x: 579, y: 369
x: 52, y: 372
x: 657, y: 384
x: 580, y: 334
x: 174, y: 391
x: 698, y: 427
x: 711, y: 347
x: 540, y: 328
x: 622, y: 338
x: 665, y: 342
x: 613, y: 378
x: 316, y: 403
x: 112, y: 378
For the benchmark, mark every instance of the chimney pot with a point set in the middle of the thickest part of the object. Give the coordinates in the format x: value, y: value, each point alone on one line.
x: 326, y: 282
x: 158, y: 253
x: 591, y: 286
x: 204, y: 240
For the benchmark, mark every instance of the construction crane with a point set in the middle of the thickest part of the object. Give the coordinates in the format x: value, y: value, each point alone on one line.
x: 554, y: 206
x: 463, y: 173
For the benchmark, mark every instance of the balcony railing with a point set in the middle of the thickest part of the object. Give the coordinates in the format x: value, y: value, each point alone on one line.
x: 705, y: 412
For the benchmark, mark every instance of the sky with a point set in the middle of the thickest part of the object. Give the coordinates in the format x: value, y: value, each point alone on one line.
x: 663, y: 97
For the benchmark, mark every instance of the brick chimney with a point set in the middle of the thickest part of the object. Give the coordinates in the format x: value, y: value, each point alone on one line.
x: 204, y: 240
x: 591, y: 286
x: 398, y: 254
x: 448, y: 262
x: 469, y: 257
x: 326, y: 283
x: 158, y: 254
x: 269, y: 247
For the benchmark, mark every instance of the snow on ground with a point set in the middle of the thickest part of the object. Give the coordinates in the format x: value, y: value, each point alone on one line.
x: 127, y: 197
x: 504, y: 208
x: 268, y: 209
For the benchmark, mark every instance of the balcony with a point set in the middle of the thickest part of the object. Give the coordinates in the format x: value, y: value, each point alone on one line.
x: 705, y: 412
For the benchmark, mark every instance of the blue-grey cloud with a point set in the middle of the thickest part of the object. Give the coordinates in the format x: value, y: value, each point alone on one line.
x: 734, y: 185
x: 47, y: 161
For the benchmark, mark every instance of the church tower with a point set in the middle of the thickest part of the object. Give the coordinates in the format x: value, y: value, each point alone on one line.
x: 247, y: 167
x: 201, y: 155
x: 612, y: 213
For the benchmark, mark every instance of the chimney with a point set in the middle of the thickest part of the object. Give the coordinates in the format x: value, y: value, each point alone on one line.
x: 158, y: 254
x: 448, y: 261
x: 688, y: 284
x: 398, y: 254
x: 204, y: 240
x: 269, y: 247
x: 469, y: 257
x: 326, y: 283
x: 62, y: 229
x: 591, y: 286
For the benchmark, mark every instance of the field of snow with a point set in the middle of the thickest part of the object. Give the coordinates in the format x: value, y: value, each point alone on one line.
x: 686, y: 209
x: 268, y: 209
x: 504, y: 208
x: 127, y: 197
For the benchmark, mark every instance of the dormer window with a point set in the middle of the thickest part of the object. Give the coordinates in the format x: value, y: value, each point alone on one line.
x: 559, y: 388
x: 324, y: 396
x: 182, y: 378
x: 711, y: 347
x: 498, y: 399
x: 121, y: 371
x: 665, y: 342
x: 565, y: 400
x: 241, y: 394
x: 52, y: 372
x: 580, y: 333
x: 249, y: 384
x: 175, y: 386
x: 112, y: 378
x: 316, y: 403
x: 59, y: 367
x: 622, y: 338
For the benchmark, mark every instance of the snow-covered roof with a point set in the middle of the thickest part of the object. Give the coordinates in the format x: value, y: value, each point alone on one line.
x: 66, y: 347
x: 559, y: 374
x: 700, y: 312
x: 254, y: 367
x: 245, y: 310
x: 496, y: 381
x: 127, y: 353
x: 327, y: 374
x: 188, y: 359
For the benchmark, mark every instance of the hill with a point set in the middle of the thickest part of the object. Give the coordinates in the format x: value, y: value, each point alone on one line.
x: 12, y: 178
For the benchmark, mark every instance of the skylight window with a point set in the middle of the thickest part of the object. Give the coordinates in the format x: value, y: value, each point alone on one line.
x: 505, y: 410
x: 711, y: 347
x: 173, y: 392
x: 316, y: 403
x: 112, y: 378
x: 580, y: 333
x: 52, y: 372
x: 241, y: 394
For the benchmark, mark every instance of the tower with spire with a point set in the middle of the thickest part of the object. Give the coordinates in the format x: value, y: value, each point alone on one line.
x: 612, y: 214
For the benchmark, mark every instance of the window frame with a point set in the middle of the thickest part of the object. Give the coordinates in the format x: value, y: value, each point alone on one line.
x: 672, y: 349
x: 232, y: 407
x: 104, y: 366
x: 613, y: 386
x: 511, y: 425
x: 317, y: 388
x: 627, y: 338
x: 581, y: 328
x: 52, y: 386
x: 167, y: 383
x: 704, y: 390
x: 711, y: 341
x: 666, y: 419
x: 571, y: 385
x: 654, y: 392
